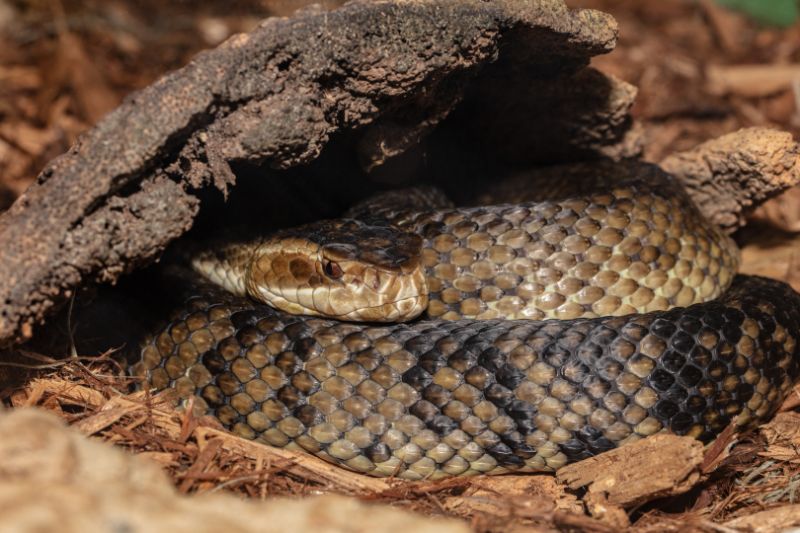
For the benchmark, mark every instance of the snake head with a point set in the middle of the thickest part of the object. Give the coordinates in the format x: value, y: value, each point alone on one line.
x: 345, y: 269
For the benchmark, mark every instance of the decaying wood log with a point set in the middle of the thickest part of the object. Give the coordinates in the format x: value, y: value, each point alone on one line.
x: 384, y: 73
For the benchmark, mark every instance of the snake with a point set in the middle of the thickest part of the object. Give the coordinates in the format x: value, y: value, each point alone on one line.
x: 427, y: 341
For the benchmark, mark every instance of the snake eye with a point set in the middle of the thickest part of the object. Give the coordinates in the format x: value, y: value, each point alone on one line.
x: 332, y: 270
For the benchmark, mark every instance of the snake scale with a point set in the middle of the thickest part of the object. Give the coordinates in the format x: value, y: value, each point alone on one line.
x: 623, y: 328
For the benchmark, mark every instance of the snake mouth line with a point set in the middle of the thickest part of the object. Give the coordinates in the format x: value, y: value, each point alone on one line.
x: 280, y: 302
x: 395, y: 302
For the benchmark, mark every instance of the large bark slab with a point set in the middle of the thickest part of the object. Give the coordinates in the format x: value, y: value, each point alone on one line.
x: 384, y: 73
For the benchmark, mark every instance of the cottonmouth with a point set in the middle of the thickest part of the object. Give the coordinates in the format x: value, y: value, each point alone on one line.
x: 640, y: 340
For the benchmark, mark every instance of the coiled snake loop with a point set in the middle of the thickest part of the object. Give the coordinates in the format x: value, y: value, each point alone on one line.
x: 625, y: 328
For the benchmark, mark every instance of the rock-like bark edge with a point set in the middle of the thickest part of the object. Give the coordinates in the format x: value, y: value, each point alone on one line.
x: 276, y: 97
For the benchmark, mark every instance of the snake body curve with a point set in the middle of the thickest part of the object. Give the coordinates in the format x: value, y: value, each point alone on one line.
x: 435, y: 398
x: 635, y: 246
x: 438, y: 398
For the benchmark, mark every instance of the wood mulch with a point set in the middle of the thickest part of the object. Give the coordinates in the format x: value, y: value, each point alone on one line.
x: 701, y: 72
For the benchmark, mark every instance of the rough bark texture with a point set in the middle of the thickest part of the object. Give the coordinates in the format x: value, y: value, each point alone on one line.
x: 729, y: 176
x: 673, y: 468
x: 384, y: 73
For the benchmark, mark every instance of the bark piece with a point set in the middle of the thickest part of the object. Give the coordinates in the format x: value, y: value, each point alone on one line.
x: 729, y: 26
x: 729, y: 176
x: 512, y: 503
x: 655, y: 467
x: 751, y: 81
x: 382, y: 71
x: 606, y: 512
x: 783, y: 437
x: 777, y: 519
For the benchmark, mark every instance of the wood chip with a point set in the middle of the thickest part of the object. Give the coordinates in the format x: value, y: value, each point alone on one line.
x: 207, y: 454
x: 103, y: 419
x: 719, y: 449
x: 768, y: 521
x: 658, y: 466
x: 162, y: 458
x: 783, y: 437
x: 529, y: 499
x: 727, y: 25
x: 751, y: 81
x: 606, y: 512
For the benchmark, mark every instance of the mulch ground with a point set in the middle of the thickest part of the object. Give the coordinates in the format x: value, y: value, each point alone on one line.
x: 702, y: 71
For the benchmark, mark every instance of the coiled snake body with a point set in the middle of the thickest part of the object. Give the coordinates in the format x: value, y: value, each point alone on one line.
x: 438, y: 397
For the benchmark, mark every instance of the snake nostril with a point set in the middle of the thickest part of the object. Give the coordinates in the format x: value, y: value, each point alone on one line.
x: 371, y: 278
